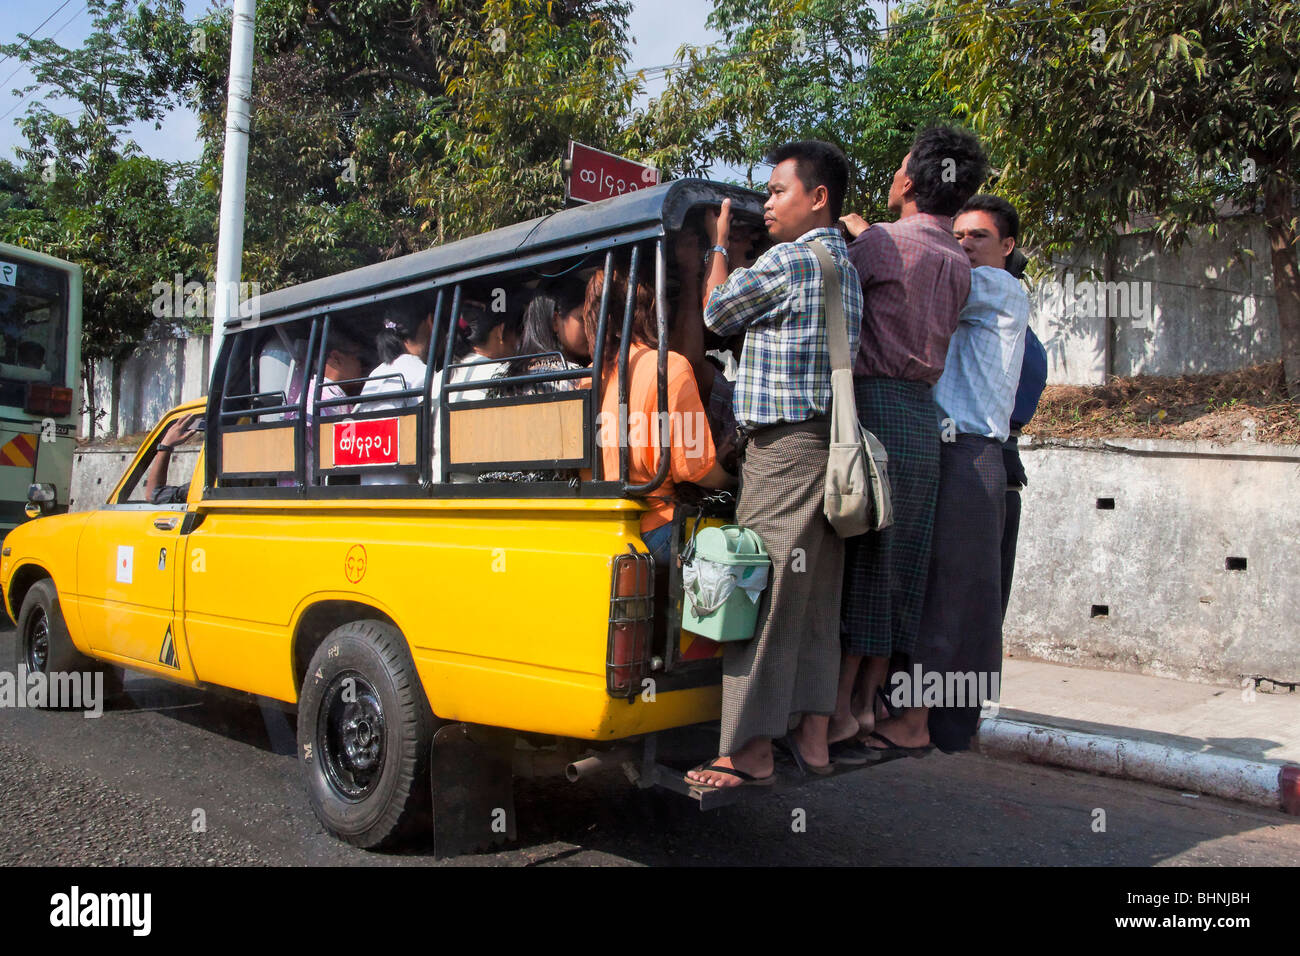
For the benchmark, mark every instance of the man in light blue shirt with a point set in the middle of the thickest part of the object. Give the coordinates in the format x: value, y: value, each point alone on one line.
x: 977, y: 390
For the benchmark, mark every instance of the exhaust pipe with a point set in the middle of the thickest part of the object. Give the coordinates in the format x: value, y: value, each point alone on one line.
x: 532, y: 764
x: 596, y: 762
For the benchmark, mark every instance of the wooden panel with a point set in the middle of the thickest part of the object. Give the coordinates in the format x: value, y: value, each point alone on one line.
x: 266, y: 449
x: 538, y: 431
x: 407, y: 428
x: 325, y: 442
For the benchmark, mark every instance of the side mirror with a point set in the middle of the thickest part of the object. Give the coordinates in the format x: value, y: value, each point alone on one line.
x: 40, y: 500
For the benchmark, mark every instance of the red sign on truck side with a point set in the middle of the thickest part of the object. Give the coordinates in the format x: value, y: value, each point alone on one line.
x: 595, y: 175
x: 367, y: 442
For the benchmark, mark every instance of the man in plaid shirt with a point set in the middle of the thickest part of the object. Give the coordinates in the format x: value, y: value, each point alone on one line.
x: 780, y: 304
x: 782, y: 402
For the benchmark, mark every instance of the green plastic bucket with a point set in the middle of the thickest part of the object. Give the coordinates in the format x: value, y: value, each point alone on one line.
x: 730, y: 547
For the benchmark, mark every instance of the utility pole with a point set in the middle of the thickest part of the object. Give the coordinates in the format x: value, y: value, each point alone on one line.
x: 234, y: 171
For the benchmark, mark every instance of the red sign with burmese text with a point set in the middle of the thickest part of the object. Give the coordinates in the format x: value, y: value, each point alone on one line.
x: 595, y: 175
x: 369, y: 442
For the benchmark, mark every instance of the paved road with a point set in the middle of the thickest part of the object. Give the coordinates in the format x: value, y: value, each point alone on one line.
x: 124, y: 788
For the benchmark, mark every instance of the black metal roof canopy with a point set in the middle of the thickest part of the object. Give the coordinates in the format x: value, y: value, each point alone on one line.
x: 641, y: 214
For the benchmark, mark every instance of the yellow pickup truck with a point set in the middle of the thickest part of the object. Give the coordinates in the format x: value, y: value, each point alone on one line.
x: 435, y: 636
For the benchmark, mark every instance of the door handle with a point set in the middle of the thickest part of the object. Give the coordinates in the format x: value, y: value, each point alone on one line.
x: 164, y: 523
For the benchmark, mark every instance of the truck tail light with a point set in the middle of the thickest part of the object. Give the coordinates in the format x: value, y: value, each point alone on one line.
x: 48, y: 400
x: 631, y: 623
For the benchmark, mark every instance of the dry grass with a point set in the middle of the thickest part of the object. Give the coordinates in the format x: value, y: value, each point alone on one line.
x: 1229, y: 406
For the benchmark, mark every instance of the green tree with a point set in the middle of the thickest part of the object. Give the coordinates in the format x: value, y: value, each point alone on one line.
x: 380, y: 127
x: 801, y: 69
x: 84, y: 193
x: 1101, y: 111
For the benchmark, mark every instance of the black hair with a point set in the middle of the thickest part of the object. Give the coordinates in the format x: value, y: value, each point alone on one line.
x: 818, y: 164
x: 538, y: 333
x: 339, y: 341
x: 476, y: 323
x: 402, y: 321
x: 1003, y: 213
x: 946, y: 166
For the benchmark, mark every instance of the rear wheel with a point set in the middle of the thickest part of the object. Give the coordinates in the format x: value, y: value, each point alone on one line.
x: 364, y: 733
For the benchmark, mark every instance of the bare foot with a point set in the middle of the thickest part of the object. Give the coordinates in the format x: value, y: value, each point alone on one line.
x: 714, y: 778
x: 904, y: 733
x: 842, y: 728
x: 866, y: 719
x: 812, y: 746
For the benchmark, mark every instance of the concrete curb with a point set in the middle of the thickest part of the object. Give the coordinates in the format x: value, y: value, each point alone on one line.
x: 1233, y: 778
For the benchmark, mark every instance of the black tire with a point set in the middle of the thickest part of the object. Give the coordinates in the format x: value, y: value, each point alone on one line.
x: 43, y: 643
x: 366, y: 759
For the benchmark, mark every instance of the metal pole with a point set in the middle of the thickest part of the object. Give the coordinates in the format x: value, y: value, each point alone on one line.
x: 230, y: 241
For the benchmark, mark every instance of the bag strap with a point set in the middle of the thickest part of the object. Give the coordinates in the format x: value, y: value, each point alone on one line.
x: 837, y: 332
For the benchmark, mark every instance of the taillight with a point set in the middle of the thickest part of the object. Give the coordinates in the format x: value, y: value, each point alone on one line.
x: 48, y: 400
x: 631, y: 622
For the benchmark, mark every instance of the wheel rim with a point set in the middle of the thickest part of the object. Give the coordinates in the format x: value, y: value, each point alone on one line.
x: 352, y: 736
x: 38, y: 641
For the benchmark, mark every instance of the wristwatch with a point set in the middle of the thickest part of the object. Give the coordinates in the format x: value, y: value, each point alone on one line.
x: 712, y: 249
x: 162, y: 447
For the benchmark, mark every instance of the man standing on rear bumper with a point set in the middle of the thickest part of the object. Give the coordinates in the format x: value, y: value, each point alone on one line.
x: 782, y: 401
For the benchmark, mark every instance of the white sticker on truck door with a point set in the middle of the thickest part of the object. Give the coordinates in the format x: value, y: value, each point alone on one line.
x: 125, y: 563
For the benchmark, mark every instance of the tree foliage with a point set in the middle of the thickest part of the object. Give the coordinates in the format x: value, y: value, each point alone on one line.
x: 1100, y: 112
x: 801, y: 69
x: 83, y: 192
x: 383, y: 126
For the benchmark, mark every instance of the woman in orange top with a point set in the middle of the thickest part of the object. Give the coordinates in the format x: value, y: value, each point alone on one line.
x: 693, y: 456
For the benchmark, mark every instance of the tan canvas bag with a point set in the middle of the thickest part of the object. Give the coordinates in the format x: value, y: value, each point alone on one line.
x: 857, y: 476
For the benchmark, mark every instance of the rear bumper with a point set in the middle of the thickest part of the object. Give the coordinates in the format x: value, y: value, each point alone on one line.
x: 565, y: 704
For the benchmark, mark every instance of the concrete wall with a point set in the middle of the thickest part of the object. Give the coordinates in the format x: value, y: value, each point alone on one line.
x: 1205, y: 316
x: 1158, y: 561
x: 160, y: 374
x: 96, y: 470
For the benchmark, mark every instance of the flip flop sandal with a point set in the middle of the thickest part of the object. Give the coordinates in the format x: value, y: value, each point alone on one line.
x: 852, y: 753
x: 789, y: 748
x: 746, y: 779
x: 892, y: 750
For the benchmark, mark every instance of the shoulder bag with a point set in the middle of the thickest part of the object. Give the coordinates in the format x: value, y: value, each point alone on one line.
x: 857, y: 477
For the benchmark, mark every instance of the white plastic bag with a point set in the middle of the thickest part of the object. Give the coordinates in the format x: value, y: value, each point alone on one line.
x: 708, y: 584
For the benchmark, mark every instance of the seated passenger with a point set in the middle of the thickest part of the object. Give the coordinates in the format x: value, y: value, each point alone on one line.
x: 552, y: 323
x: 181, y: 432
x: 482, y: 334
x: 693, y: 457
x: 401, y: 345
x: 342, y: 364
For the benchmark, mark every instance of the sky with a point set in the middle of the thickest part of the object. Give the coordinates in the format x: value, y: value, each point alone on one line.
x: 658, y: 28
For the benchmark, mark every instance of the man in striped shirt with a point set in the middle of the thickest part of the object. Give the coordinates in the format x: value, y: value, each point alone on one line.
x: 782, y: 402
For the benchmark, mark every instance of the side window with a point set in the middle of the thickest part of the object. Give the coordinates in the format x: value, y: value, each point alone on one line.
x: 262, y: 387
x: 515, y: 405
x: 163, y: 477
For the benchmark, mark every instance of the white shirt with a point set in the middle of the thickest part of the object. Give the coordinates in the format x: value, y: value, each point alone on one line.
x: 412, y: 372
x: 473, y: 373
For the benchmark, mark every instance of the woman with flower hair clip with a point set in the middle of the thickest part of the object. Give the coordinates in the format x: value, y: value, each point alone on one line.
x: 402, y: 345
